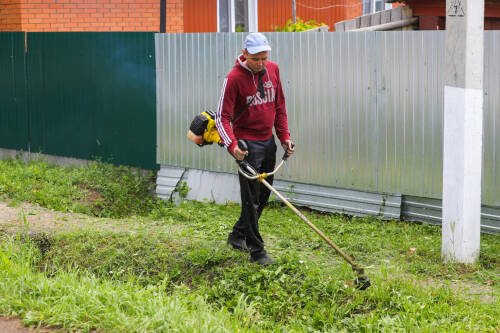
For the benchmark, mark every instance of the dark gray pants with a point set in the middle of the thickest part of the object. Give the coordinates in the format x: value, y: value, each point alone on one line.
x: 254, y: 195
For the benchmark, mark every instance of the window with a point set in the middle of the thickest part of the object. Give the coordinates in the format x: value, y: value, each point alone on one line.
x: 372, y: 6
x: 223, y: 15
x: 237, y: 15
x: 241, y: 15
x: 367, y: 6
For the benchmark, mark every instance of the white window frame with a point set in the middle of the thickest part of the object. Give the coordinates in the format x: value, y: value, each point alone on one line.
x: 253, y: 17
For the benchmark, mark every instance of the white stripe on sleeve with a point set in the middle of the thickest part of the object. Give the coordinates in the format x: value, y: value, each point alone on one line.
x: 220, y: 128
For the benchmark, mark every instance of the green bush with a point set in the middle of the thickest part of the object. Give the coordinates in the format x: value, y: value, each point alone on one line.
x: 299, y: 26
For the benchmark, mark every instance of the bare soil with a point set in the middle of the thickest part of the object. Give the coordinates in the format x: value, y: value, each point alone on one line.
x: 13, y: 325
x: 39, y: 219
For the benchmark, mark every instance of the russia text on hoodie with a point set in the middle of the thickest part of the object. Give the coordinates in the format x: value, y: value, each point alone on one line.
x: 257, y: 121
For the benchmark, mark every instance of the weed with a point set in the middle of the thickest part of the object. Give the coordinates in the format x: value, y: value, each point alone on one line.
x: 182, y: 189
x: 14, y: 203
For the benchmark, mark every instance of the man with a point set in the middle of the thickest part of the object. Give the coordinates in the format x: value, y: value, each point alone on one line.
x: 250, y: 105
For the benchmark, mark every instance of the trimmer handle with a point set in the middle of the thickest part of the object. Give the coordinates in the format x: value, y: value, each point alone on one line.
x: 251, y: 173
x: 285, y: 156
x: 242, y: 145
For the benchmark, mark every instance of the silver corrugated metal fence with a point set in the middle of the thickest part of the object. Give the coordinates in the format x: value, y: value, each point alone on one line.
x: 365, y: 109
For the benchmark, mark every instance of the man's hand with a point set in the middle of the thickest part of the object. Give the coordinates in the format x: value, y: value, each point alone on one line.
x: 287, y: 146
x: 239, y: 154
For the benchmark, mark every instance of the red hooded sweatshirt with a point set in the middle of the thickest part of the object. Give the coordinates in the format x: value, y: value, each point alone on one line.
x: 257, y: 121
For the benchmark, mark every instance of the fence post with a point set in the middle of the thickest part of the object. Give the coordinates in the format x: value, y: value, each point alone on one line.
x: 463, y: 121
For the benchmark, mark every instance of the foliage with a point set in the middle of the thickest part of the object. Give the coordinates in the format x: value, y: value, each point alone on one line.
x: 299, y: 26
x: 98, y: 189
x: 239, y: 28
x: 182, y: 189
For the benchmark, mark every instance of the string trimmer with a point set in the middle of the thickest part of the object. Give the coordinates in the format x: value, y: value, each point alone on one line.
x: 362, y: 280
x: 203, y: 131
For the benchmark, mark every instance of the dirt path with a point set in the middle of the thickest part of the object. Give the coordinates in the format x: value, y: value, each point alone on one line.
x: 39, y: 219
x: 46, y: 220
x: 12, y: 325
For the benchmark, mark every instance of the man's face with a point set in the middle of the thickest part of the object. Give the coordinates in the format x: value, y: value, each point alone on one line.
x: 256, y: 62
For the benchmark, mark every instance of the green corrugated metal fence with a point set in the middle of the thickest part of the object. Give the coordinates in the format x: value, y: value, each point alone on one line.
x: 13, y: 112
x: 90, y: 95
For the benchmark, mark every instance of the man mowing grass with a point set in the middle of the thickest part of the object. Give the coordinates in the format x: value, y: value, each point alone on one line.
x: 251, y: 104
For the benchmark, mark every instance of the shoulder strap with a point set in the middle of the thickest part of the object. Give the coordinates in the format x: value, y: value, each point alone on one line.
x: 261, y: 92
x: 243, y: 109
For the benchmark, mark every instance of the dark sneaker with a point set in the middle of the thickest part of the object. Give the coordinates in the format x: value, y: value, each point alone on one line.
x: 237, y: 243
x: 264, y: 260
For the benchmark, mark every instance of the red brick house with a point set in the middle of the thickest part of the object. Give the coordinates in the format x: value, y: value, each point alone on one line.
x: 87, y: 15
x: 173, y: 15
x: 432, y: 14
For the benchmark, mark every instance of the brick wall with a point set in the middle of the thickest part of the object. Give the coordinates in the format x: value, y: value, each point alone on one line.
x: 89, y: 15
x: 175, y: 22
x: 276, y: 12
x: 10, y: 15
x: 353, y: 8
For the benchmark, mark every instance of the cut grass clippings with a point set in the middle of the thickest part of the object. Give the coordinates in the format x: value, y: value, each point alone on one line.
x: 171, y: 271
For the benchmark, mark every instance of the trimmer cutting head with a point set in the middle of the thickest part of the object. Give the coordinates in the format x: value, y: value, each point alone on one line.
x: 362, y: 282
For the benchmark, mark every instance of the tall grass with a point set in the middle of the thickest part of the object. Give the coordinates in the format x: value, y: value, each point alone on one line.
x: 75, y: 300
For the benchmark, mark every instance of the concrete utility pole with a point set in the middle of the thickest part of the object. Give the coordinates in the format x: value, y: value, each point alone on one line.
x: 463, y: 130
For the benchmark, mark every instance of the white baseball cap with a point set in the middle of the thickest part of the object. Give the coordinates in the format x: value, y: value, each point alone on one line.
x: 256, y: 42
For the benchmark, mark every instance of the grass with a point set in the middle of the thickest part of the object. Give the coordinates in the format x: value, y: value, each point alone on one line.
x: 74, y: 300
x: 170, y: 270
x: 98, y: 189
